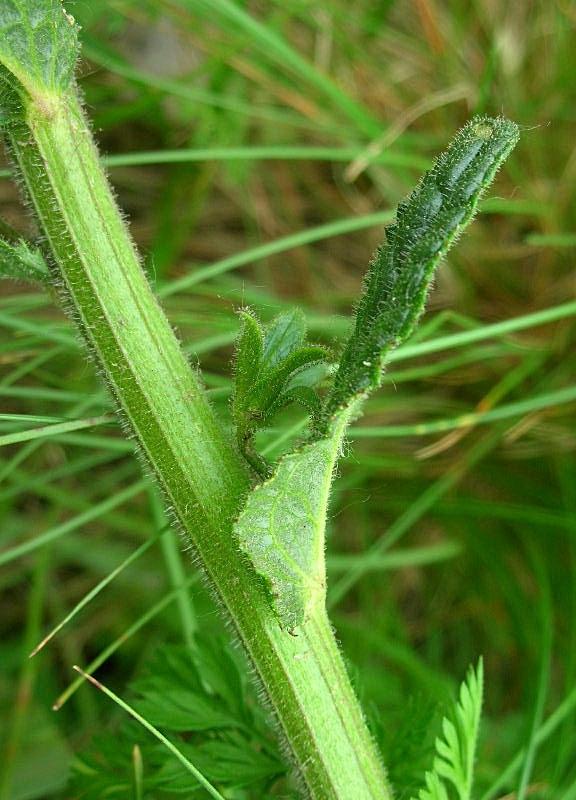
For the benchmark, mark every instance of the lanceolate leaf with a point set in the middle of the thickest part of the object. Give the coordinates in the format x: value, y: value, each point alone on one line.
x: 427, y: 224
x: 271, y: 383
x: 282, y: 526
x: 38, y: 46
x: 248, y: 359
x: 283, y: 335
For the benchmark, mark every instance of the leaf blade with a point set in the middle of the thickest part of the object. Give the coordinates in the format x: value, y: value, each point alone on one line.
x: 248, y: 356
x: 38, y: 45
x: 282, y: 526
x: 426, y: 226
x: 283, y: 335
x: 274, y: 381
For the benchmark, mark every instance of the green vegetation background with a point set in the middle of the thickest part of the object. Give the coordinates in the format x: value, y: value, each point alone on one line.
x: 280, y: 137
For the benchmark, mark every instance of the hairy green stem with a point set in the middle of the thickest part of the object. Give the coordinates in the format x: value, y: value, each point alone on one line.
x: 203, y: 478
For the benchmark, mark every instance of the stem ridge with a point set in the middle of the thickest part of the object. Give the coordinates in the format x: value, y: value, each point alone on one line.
x: 162, y: 402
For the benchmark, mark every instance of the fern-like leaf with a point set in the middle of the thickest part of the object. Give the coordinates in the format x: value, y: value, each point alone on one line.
x: 202, y: 702
x: 453, y: 769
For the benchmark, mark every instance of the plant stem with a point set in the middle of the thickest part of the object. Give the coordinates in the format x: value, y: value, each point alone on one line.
x: 163, y: 405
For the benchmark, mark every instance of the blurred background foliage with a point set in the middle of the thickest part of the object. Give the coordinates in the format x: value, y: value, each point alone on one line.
x: 258, y: 149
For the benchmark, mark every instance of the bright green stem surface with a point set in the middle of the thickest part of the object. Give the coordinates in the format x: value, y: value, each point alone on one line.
x: 163, y: 404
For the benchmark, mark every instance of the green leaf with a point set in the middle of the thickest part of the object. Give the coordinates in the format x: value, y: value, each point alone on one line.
x: 311, y: 375
x: 230, y: 762
x: 283, y: 335
x: 183, y: 710
x: 266, y: 364
x: 455, y: 751
x: 194, y: 702
x: 211, y: 714
x: 22, y: 262
x: 38, y: 45
x: 304, y: 396
x: 427, y: 224
x: 219, y: 670
x: 271, y: 383
x: 282, y: 526
x: 248, y: 356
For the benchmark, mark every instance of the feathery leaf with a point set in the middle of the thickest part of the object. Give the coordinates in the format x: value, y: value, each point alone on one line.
x: 453, y: 769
